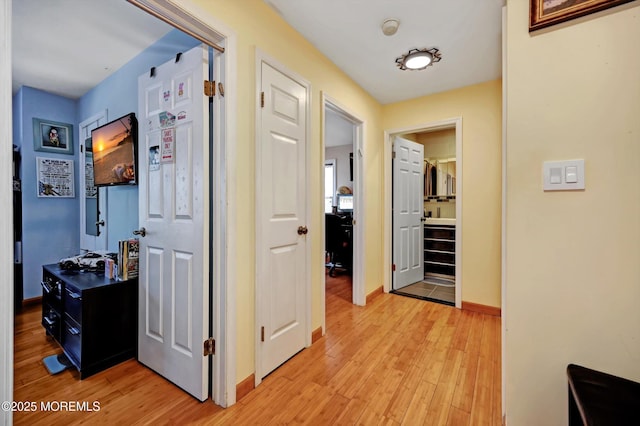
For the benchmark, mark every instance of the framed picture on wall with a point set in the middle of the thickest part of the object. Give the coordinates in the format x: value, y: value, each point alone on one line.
x: 544, y: 13
x: 52, y: 136
x: 55, y: 178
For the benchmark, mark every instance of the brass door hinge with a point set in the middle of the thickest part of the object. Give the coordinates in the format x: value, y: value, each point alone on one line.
x: 393, y: 267
x: 209, y: 347
x: 393, y: 154
x: 209, y: 88
x: 262, y: 334
x: 262, y: 99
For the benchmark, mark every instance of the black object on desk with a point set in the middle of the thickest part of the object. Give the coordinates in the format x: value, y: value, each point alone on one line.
x: 93, y: 318
x: 339, y: 242
x: 597, y: 398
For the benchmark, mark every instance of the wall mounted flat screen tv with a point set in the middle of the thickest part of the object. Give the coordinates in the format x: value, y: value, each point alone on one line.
x: 114, y: 152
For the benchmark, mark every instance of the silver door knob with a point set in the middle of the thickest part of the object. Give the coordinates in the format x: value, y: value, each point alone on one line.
x: 100, y: 223
x: 142, y: 232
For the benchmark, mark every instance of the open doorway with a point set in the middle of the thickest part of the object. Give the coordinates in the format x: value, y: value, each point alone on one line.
x: 424, y: 224
x: 223, y: 378
x: 342, y: 205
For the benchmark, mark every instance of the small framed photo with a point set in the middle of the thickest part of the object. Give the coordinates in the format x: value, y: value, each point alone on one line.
x: 52, y: 136
x: 544, y: 13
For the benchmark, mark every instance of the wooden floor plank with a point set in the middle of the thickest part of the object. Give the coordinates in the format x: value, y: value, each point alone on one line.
x: 396, y: 361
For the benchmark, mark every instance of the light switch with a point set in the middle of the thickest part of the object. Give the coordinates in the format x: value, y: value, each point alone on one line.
x: 564, y: 175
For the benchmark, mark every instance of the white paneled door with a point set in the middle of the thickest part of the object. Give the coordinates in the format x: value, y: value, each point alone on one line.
x: 408, y: 208
x: 173, y: 159
x: 282, y: 228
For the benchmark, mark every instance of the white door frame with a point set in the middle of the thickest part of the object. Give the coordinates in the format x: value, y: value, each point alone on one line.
x: 451, y: 123
x: 84, y: 238
x: 6, y: 224
x: 223, y: 209
x: 359, y: 210
x: 261, y: 57
x: 186, y: 15
x: 503, y: 228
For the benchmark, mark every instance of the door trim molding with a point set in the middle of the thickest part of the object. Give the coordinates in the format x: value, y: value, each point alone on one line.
x: 260, y: 57
x: 359, y: 190
x: 224, y: 208
x: 6, y: 225
x: 503, y: 225
x: 451, y: 123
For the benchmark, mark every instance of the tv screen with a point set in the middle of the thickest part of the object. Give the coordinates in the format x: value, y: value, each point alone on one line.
x: 114, y: 152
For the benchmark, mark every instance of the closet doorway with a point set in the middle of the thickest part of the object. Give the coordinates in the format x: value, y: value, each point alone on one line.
x: 342, y: 208
x: 435, y: 249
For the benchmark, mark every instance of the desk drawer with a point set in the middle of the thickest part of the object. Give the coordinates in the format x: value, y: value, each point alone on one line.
x: 72, y: 340
x: 51, y: 321
x: 73, y: 303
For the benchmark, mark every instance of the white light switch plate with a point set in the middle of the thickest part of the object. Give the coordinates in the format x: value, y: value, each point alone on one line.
x: 564, y: 175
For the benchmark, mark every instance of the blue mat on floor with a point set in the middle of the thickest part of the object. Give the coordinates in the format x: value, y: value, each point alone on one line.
x: 56, y: 363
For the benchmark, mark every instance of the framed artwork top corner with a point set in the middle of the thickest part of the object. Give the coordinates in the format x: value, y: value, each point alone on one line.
x: 545, y: 13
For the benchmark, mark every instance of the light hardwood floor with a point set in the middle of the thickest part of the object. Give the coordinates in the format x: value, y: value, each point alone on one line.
x: 396, y: 361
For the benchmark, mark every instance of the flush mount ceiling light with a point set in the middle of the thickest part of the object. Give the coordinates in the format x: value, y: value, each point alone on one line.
x: 418, y: 59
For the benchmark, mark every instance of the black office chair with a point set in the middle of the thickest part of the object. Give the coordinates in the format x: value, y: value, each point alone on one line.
x: 337, y: 244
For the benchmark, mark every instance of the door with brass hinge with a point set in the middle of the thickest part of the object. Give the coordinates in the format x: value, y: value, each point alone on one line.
x: 174, y: 218
x: 282, y: 232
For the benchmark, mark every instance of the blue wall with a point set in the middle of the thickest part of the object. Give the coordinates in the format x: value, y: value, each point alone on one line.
x: 51, y: 226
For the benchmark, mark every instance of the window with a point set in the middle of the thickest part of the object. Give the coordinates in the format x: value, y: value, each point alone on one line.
x: 329, y: 185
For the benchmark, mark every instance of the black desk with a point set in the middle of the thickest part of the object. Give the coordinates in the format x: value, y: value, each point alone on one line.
x: 93, y: 318
x: 597, y: 398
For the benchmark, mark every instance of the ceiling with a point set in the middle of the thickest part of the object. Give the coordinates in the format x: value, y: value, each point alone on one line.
x: 66, y: 47
x: 467, y: 32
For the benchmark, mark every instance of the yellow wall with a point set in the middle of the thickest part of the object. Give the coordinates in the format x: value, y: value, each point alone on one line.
x: 438, y: 145
x: 257, y: 26
x: 573, y: 258
x: 480, y: 107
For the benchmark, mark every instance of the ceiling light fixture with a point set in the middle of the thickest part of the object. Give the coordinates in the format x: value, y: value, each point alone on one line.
x: 418, y: 59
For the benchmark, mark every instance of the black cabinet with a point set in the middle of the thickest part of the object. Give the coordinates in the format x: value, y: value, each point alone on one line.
x: 440, y: 249
x: 93, y: 318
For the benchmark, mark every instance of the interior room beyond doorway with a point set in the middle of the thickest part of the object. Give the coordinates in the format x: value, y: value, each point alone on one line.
x: 344, y: 215
x: 435, y: 200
